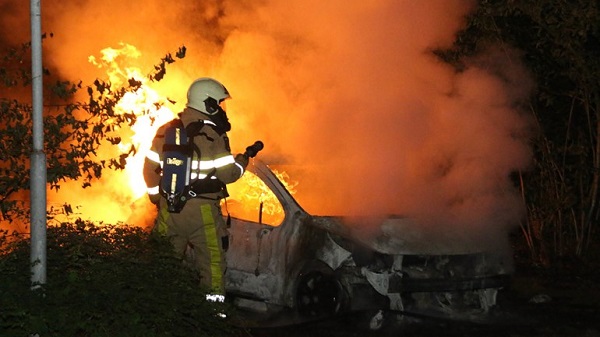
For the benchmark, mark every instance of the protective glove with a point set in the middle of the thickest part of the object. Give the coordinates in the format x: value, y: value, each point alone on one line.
x: 242, y: 160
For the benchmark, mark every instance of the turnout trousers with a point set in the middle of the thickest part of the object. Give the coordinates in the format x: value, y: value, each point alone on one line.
x: 198, y: 231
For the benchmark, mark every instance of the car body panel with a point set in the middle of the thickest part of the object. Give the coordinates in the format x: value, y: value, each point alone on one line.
x: 270, y: 269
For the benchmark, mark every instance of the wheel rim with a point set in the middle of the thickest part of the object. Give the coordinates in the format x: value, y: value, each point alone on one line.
x: 318, y: 295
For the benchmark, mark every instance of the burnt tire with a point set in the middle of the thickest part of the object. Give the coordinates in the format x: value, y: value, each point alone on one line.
x: 318, y: 294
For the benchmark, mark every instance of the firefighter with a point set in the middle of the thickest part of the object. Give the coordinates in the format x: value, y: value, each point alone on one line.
x: 200, y: 225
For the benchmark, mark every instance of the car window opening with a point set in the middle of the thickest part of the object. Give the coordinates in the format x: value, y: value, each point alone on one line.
x: 250, y: 199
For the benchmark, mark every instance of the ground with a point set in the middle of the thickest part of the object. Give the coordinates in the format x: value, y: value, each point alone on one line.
x: 563, y: 301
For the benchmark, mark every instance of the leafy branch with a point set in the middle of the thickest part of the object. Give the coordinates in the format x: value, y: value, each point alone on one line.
x: 74, y: 131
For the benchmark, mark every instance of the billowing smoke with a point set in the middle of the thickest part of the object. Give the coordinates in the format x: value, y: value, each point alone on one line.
x: 349, y: 91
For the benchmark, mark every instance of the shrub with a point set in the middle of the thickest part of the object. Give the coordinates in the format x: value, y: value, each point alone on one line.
x: 103, y: 280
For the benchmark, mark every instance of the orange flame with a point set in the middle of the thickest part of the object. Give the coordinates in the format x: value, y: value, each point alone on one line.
x: 119, y: 196
x: 143, y: 103
x: 121, y: 203
x: 252, y: 200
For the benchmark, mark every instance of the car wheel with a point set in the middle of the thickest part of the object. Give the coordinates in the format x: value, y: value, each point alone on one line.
x: 318, y: 294
x: 377, y: 320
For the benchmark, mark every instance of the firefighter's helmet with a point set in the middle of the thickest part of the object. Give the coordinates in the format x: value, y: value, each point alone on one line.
x: 206, y: 94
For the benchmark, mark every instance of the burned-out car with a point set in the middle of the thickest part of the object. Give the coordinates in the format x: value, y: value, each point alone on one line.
x: 289, y: 262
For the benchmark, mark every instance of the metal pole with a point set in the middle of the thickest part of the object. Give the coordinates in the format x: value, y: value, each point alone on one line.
x: 38, y: 157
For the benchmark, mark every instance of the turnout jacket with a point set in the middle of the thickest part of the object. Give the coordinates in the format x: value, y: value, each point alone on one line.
x: 215, y: 161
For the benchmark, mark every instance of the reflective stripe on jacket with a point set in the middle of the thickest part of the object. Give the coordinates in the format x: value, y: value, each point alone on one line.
x: 215, y: 159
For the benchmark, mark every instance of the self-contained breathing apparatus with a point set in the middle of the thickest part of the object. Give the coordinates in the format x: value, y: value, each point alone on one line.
x: 178, y: 150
